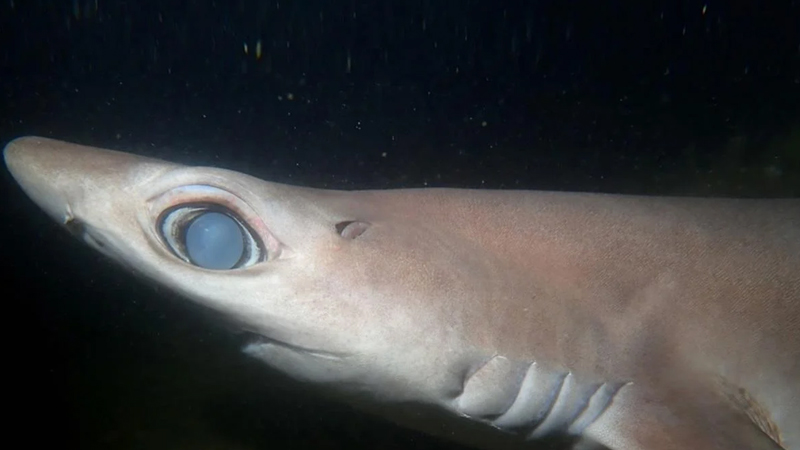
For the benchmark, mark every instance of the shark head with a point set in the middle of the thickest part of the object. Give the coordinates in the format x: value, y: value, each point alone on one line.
x: 626, y: 321
x: 312, y: 274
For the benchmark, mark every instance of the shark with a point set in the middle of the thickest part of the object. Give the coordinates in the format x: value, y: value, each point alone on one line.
x: 496, y: 318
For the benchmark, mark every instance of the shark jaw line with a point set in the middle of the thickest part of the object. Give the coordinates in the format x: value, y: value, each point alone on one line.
x: 255, y: 339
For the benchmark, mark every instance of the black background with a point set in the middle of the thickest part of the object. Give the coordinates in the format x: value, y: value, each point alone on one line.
x: 658, y: 97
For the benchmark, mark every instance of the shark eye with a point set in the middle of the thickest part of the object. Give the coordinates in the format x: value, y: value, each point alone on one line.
x: 209, y: 237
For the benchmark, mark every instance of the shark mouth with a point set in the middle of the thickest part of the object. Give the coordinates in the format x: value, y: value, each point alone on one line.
x: 255, y: 339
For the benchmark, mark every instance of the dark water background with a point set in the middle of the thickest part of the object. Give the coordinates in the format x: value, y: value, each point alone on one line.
x: 654, y: 97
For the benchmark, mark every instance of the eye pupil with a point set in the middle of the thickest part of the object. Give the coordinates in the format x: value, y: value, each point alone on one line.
x: 214, y: 241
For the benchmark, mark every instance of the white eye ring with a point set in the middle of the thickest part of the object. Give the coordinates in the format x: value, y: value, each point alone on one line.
x: 174, y: 223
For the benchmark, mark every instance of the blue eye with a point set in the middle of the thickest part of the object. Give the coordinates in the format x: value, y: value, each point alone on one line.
x: 214, y: 241
x: 209, y: 238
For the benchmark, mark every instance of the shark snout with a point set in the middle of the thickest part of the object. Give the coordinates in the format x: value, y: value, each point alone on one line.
x: 98, y: 195
x: 37, y: 168
x: 70, y: 181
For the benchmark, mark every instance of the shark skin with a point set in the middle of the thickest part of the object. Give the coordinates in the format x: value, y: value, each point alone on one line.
x: 612, y: 321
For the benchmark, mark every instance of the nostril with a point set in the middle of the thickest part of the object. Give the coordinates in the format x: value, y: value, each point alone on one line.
x: 74, y: 225
x: 79, y: 230
x: 68, y: 216
x: 351, y: 229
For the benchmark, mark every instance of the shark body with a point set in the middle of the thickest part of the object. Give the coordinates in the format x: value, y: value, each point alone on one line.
x: 619, y: 322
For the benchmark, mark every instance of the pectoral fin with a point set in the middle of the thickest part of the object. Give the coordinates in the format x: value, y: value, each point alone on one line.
x: 651, y: 420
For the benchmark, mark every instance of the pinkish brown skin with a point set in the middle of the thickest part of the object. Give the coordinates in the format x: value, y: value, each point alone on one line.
x: 634, y: 322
